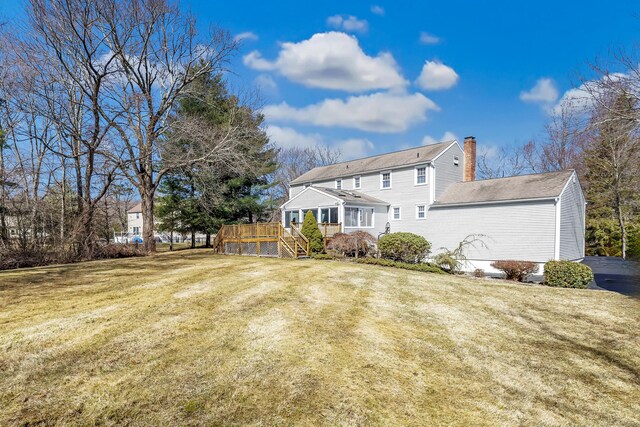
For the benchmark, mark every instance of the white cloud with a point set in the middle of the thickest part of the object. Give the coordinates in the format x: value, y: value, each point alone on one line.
x: 286, y: 137
x: 378, y: 112
x: 447, y: 136
x: 265, y: 82
x: 543, y: 92
x: 377, y: 10
x: 582, y: 98
x: 354, y: 148
x: 247, y: 35
x: 437, y: 76
x: 331, y: 61
x: 348, y: 23
x: 426, y: 38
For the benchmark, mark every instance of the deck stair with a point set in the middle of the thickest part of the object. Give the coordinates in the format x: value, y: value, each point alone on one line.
x: 269, y: 239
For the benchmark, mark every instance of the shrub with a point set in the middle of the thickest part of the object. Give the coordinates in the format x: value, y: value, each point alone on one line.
x: 515, y: 270
x: 359, y: 242
x: 567, y: 274
x: 424, y: 267
x: 322, y: 256
x: 404, y: 247
x: 119, y: 251
x: 311, y: 231
x: 479, y: 272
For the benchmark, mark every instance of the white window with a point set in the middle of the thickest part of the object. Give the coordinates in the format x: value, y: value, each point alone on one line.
x: 136, y: 230
x: 385, y: 180
x: 456, y: 160
x: 356, y: 182
x: 421, y: 175
x: 137, y: 216
x: 338, y: 184
x: 358, y: 217
x: 421, y: 211
x: 396, y: 213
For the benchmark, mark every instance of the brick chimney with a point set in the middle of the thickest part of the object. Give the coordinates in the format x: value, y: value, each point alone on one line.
x: 470, y: 158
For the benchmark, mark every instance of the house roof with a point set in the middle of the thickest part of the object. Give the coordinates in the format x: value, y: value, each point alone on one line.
x: 411, y: 156
x: 524, y: 187
x: 351, y: 196
x: 135, y: 208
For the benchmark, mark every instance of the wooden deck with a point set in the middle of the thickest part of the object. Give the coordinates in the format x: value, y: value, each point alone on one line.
x: 269, y: 239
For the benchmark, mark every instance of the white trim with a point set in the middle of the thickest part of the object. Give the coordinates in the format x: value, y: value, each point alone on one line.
x: 393, y: 213
x: 390, y: 172
x: 556, y: 249
x: 449, y: 205
x: 455, y: 142
x: 283, y: 206
x: 426, y: 208
x: 432, y: 184
x: 359, y: 181
x: 415, y: 175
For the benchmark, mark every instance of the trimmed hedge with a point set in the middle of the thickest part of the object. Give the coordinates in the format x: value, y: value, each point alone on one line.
x: 404, y: 247
x: 425, y: 268
x: 515, y: 270
x: 567, y: 274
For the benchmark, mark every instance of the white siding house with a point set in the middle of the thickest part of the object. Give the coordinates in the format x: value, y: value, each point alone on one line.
x: 432, y: 191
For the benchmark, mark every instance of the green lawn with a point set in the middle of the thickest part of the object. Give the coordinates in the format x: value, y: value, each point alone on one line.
x: 197, y: 339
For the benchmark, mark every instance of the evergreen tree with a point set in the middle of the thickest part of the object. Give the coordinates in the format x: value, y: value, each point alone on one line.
x: 312, y: 232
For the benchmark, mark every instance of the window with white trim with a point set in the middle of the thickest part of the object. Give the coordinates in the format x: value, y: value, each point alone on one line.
x: 356, y: 182
x: 421, y: 211
x: 385, y: 179
x: 358, y: 217
x: 421, y: 175
x: 338, y: 184
x: 395, y: 213
x: 456, y: 160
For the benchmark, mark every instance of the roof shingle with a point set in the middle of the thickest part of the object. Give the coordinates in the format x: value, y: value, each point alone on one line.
x: 411, y: 156
x: 535, y: 186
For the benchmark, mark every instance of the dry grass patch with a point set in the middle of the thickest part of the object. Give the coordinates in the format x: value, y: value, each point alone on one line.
x: 197, y: 339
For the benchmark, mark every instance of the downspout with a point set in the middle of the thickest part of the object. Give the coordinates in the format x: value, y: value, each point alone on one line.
x: 556, y: 251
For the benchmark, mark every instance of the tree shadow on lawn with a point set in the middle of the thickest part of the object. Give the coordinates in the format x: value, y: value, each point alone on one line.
x: 65, y: 275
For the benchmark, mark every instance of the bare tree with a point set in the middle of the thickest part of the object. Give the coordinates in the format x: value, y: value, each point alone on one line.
x: 158, y: 56
x: 294, y: 161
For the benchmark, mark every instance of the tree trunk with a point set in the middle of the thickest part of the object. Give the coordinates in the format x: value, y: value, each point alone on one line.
x: 148, y: 239
x: 208, y: 241
x: 171, y: 241
x: 193, y: 238
x: 623, y: 228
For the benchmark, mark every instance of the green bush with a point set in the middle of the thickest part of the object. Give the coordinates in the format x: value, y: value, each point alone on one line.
x: 424, y: 267
x: 404, y: 247
x: 311, y: 231
x: 515, y: 270
x: 567, y: 274
x: 322, y: 256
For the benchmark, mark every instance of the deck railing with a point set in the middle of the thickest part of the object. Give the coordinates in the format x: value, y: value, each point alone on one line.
x: 267, y: 239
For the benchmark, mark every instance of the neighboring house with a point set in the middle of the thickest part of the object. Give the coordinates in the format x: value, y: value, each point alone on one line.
x: 431, y: 191
x: 135, y: 223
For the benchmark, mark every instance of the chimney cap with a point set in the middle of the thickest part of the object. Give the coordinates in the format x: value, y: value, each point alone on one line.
x: 469, y: 137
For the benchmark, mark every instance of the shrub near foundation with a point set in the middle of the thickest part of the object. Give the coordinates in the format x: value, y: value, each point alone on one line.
x: 515, y: 270
x: 404, y: 247
x: 567, y: 274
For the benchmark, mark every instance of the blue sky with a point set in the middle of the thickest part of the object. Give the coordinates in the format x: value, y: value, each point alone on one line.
x: 350, y: 74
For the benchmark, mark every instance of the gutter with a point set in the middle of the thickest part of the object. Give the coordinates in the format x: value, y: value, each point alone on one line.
x: 492, y: 202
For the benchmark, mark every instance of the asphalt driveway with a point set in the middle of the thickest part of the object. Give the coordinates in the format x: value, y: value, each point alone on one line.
x: 615, y: 274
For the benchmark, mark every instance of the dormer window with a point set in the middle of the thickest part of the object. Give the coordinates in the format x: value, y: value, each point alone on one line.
x: 385, y: 180
x: 356, y: 182
x: 338, y: 184
x: 421, y: 175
